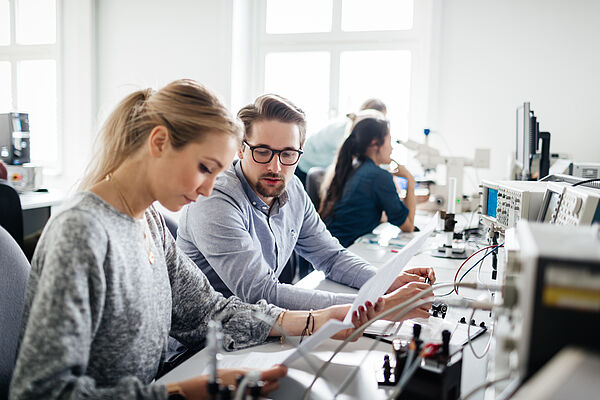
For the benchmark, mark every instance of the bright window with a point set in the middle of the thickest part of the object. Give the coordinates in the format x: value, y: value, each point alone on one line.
x: 390, y: 81
x: 4, y: 23
x: 302, y: 77
x: 28, y: 71
x: 34, y: 23
x: 328, y: 57
x: 293, y: 16
x: 5, y: 85
x: 377, y: 15
x: 36, y: 85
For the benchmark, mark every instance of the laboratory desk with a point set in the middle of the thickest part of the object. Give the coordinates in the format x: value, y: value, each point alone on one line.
x: 37, y: 208
x: 355, y: 358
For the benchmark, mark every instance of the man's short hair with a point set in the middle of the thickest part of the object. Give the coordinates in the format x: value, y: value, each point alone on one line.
x: 271, y: 107
x: 374, y: 104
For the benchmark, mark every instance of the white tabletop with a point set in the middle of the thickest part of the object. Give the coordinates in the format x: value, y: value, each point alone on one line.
x: 355, y: 355
x: 30, y: 200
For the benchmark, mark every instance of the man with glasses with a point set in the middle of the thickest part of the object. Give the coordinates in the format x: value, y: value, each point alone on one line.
x: 259, y: 213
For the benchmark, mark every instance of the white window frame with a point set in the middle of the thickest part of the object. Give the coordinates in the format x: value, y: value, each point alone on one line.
x: 15, y: 53
x: 417, y: 40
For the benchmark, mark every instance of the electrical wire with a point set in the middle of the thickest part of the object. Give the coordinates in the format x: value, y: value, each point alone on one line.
x: 360, y: 330
x: 480, y: 261
x: 351, y: 376
x: 489, y: 343
x: 401, y: 309
x: 468, y: 258
x: 250, y: 377
x: 485, y: 385
x: 586, y: 181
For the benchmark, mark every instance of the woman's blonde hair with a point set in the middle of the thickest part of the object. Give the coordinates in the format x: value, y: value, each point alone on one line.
x: 187, y: 109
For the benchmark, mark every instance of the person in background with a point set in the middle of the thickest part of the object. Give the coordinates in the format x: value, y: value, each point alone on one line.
x: 242, y: 236
x: 321, y: 148
x: 360, y: 191
x: 107, y: 283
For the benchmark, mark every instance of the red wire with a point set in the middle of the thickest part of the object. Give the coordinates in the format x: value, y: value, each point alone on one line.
x: 464, y: 262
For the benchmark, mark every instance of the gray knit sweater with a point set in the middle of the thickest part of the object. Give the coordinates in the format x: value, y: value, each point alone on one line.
x: 98, y: 314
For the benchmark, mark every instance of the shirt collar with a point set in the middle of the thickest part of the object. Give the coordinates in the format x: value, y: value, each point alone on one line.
x: 255, y: 200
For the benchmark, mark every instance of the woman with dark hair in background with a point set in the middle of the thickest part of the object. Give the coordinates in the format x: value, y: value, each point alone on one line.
x: 360, y: 191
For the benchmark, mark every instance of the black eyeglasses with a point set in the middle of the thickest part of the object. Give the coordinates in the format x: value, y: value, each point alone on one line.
x: 264, y: 155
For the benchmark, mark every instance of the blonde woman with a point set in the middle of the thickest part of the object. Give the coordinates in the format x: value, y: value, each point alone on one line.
x: 108, y: 285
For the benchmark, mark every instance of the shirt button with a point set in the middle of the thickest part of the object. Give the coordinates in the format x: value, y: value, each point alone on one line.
x: 264, y: 208
x: 253, y: 203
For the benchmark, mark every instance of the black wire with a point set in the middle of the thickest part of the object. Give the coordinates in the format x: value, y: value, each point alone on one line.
x: 586, y: 181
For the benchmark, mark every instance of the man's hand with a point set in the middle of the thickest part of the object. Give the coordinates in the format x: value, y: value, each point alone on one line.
x: 417, y: 274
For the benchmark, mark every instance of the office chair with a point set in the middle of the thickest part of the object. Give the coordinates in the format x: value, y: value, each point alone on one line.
x: 14, y: 269
x: 11, y: 214
x: 314, y: 179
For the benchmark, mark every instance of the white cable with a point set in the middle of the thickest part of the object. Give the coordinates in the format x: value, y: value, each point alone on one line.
x: 485, y: 385
x: 487, y: 347
x: 351, y: 376
x: 251, y: 377
x: 356, y: 333
x: 401, y: 309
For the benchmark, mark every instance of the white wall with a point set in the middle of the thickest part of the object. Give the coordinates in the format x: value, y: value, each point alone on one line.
x: 148, y: 43
x: 76, y: 86
x: 489, y: 57
x: 495, y: 55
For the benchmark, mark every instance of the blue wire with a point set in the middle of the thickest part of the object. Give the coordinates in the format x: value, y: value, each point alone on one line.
x: 469, y: 270
x: 479, y: 261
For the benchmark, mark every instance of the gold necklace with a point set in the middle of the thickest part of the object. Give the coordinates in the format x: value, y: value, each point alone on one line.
x: 110, y: 177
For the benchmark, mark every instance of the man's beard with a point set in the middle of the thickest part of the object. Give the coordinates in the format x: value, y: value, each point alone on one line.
x: 271, y: 191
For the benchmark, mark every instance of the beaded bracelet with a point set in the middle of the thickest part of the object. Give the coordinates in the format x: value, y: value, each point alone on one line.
x: 307, y: 331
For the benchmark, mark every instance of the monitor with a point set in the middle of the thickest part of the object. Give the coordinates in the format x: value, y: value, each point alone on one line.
x: 533, y: 161
x: 522, y: 138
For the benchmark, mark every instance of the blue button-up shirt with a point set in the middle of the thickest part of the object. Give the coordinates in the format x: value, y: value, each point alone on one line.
x: 369, y: 191
x: 242, y: 245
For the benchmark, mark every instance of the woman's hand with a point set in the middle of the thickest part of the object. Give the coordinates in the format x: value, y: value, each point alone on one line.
x: 197, y: 388
x: 406, y: 292
x: 418, y: 274
x: 360, y: 317
x: 402, y: 172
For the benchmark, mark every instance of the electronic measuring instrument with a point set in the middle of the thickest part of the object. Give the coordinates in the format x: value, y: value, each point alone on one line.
x: 568, y: 205
x: 504, y: 203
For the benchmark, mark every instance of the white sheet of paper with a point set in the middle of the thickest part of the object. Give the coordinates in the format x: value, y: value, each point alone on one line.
x: 381, y: 281
x: 375, y: 287
x: 259, y: 360
x: 330, y: 328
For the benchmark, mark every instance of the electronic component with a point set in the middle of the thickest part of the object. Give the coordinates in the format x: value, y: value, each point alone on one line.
x: 578, y: 206
x: 513, y: 201
x: 14, y: 138
x: 567, y: 205
x: 586, y: 170
x: 552, y: 291
x: 550, y: 202
x: 438, y: 375
x: 439, y: 310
